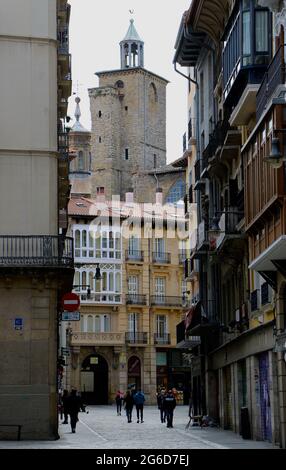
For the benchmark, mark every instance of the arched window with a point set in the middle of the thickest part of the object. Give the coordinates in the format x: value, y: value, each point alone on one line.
x: 177, y: 192
x: 119, y: 84
x: 97, y: 324
x: 80, y: 161
x: 153, y: 95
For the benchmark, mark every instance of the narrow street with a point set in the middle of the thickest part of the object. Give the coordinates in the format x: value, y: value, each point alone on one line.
x: 101, y: 428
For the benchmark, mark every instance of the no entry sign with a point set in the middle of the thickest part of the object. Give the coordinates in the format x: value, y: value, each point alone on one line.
x: 70, y: 302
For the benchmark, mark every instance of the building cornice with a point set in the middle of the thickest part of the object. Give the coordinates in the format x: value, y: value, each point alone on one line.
x: 133, y: 70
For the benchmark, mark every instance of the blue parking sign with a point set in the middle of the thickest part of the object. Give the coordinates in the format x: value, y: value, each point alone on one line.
x: 18, y: 323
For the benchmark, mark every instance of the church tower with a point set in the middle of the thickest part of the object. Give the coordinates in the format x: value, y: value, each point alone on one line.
x: 128, y: 113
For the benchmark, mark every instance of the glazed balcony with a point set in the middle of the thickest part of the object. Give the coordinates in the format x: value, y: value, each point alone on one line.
x: 166, y: 301
x: 274, y: 77
x: 42, y: 251
x: 136, y: 299
x: 191, y: 268
x: 265, y: 293
x: 97, y: 339
x: 136, y: 338
x: 162, y: 339
x: 247, y: 49
x: 100, y: 298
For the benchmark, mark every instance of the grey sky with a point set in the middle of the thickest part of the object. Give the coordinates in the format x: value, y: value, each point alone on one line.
x: 96, y: 29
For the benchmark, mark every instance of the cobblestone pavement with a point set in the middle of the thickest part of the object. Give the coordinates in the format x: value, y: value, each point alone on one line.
x: 101, y: 428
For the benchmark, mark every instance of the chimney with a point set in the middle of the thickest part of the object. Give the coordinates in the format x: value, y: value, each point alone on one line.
x: 159, y: 196
x: 129, y: 196
x: 100, y: 194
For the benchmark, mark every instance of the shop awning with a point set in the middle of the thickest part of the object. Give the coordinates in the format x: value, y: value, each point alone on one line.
x: 192, y: 316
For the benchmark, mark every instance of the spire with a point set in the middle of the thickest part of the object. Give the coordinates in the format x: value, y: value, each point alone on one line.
x: 132, y: 48
x: 78, y: 127
x: 132, y: 34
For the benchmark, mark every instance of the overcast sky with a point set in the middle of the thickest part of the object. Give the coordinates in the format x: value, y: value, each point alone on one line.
x: 97, y: 27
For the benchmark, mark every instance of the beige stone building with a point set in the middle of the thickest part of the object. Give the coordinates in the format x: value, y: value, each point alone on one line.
x: 36, y: 260
x: 127, y: 332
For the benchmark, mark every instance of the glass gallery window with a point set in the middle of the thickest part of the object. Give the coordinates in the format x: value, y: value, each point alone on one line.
x: 256, y: 27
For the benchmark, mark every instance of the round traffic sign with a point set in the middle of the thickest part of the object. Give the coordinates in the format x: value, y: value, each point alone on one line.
x: 70, y: 302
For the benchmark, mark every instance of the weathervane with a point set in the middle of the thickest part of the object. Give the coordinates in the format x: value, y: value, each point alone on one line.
x: 131, y: 12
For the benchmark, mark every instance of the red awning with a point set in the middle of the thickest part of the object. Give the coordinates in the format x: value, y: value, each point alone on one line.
x: 190, y: 315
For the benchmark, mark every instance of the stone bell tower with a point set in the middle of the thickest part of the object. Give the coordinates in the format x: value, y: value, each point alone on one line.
x: 128, y: 113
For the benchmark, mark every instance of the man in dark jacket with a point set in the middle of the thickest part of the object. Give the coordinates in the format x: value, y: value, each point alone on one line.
x: 169, y: 404
x: 139, y: 400
x: 73, y: 407
x: 128, y: 403
x: 161, y: 407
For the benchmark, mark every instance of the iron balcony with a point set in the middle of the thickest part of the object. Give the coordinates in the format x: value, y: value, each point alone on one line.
x: 36, y: 251
x: 136, y: 337
x: 166, y: 301
x: 134, y: 255
x: 163, y: 258
x: 162, y: 338
x: 136, y: 299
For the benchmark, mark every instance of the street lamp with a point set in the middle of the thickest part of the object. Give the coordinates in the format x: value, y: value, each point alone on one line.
x: 214, y: 232
x: 98, y: 275
x: 275, y: 159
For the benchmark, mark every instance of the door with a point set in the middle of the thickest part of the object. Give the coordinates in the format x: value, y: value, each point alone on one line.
x: 94, y: 376
x: 265, y: 405
x: 132, y: 326
x: 159, y: 248
x: 160, y: 290
x: 133, y: 287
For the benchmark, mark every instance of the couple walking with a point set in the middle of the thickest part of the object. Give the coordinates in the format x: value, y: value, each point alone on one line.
x: 130, y: 399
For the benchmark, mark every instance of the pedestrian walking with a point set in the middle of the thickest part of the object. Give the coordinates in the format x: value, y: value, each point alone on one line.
x: 129, y: 403
x: 64, y: 406
x: 161, y: 405
x: 73, y: 407
x: 139, y: 399
x: 170, y: 404
x: 118, y: 401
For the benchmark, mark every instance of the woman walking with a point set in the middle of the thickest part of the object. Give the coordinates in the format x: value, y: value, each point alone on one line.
x: 129, y: 402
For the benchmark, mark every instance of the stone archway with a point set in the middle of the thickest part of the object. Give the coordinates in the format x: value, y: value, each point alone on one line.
x: 94, y: 380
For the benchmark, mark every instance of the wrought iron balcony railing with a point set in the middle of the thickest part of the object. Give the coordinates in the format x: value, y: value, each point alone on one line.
x: 134, y: 255
x: 135, y: 299
x: 135, y: 337
x: 162, y: 338
x: 164, y: 258
x: 63, y: 40
x: 274, y: 76
x: 36, y: 250
x: 167, y: 301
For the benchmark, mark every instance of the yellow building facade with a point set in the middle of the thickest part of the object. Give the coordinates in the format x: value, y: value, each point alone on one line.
x: 127, y: 333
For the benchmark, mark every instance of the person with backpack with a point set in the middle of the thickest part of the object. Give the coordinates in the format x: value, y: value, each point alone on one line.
x: 139, y: 399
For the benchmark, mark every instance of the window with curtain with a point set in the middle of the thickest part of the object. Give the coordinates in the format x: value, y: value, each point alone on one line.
x: 161, y: 325
x: 133, y: 245
x: 133, y: 285
x: 160, y: 287
x: 261, y: 31
x: 106, y: 323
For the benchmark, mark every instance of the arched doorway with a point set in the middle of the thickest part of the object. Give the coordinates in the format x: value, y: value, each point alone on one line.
x: 134, y: 372
x: 94, y: 380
